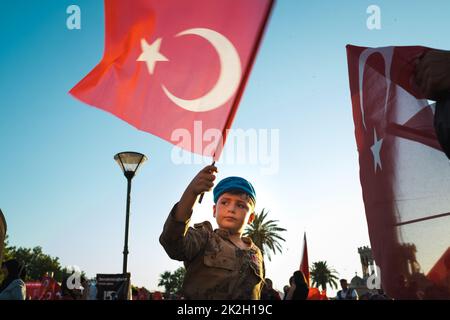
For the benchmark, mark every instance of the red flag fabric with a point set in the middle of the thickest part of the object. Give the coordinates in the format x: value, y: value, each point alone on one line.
x: 405, y: 177
x: 33, y: 290
x: 143, y: 294
x: 174, y: 67
x: 47, y: 289
x: 440, y: 273
x: 304, y: 265
x: 314, y: 294
x: 50, y: 289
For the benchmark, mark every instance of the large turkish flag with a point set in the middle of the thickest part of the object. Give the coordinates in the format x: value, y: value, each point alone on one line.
x: 176, y: 67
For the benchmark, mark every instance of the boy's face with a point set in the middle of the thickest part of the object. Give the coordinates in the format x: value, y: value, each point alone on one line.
x: 233, y: 212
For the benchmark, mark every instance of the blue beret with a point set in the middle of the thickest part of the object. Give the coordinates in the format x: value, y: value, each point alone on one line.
x: 234, y: 183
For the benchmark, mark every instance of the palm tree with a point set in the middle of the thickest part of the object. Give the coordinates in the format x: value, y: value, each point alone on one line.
x: 265, y: 234
x: 321, y: 275
x: 172, y: 282
x: 165, y: 280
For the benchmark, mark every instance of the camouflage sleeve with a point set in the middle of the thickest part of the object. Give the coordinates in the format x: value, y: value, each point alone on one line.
x: 182, y: 242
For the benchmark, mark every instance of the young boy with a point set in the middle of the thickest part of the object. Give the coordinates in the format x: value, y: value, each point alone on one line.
x: 220, y: 264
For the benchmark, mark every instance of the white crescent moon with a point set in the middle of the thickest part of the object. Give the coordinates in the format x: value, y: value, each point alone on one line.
x: 387, y: 53
x: 230, y: 74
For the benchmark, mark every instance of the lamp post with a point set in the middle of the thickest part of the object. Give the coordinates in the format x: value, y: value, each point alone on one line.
x: 129, y: 162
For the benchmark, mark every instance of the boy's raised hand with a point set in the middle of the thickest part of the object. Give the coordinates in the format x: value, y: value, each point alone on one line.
x: 202, y: 182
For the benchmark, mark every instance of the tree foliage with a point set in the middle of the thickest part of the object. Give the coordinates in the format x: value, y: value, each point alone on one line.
x: 37, y: 262
x: 322, y: 275
x: 265, y: 234
x: 172, y: 281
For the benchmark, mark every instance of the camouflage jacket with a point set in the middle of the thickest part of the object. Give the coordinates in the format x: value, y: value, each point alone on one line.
x: 215, y: 267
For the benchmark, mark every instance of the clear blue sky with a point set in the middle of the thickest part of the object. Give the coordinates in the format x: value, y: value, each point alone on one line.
x: 61, y: 189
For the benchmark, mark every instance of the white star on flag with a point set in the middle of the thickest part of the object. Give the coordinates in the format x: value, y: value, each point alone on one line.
x: 376, y: 148
x: 150, y: 54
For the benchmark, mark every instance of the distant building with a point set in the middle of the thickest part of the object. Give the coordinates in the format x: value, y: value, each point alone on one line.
x: 367, y: 262
x: 416, y: 285
x: 368, y: 268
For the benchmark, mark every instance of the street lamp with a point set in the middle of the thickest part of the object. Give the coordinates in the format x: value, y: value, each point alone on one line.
x: 129, y: 162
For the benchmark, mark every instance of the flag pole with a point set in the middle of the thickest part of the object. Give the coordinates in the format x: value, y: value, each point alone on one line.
x: 201, y: 196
